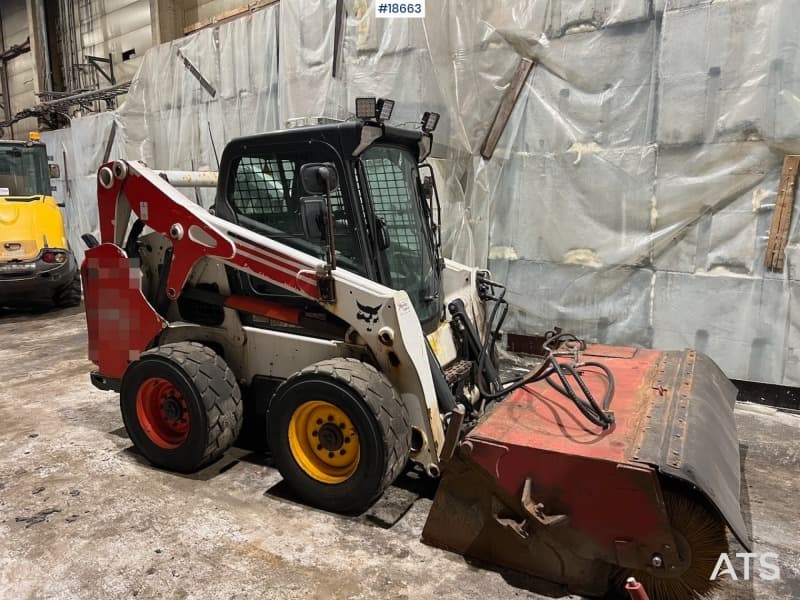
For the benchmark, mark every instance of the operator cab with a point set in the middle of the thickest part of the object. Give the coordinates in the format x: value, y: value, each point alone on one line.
x: 23, y: 170
x: 385, y: 221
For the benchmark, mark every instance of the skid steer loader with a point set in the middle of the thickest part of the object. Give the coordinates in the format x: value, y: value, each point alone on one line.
x: 315, y: 288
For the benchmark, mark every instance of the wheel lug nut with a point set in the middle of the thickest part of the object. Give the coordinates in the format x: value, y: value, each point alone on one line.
x: 319, y: 446
x: 330, y: 417
x: 314, y: 433
x: 342, y: 451
x: 319, y: 421
x: 330, y: 454
x: 347, y: 440
x: 341, y: 425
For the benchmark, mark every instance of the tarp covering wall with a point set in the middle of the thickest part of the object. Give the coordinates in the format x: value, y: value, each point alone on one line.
x: 631, y: 194
x: 78, y: 151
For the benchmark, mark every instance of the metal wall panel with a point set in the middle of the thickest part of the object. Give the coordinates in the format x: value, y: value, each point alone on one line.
x: 20, y: 69
x: 113, y: 27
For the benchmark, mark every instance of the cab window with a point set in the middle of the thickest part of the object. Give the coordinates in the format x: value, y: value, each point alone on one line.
x: 266, y: 194
x: 23, y: 170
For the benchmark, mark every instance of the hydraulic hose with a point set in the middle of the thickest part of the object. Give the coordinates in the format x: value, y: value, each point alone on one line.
x: 131, y: 248
x: 587, y: 405
x: 444, y: 396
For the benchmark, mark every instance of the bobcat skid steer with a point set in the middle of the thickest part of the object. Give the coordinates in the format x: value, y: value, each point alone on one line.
x: 315, y: 288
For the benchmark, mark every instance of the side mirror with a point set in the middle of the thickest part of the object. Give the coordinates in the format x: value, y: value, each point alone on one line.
x: 312, y: 212
x: 319, y: 178
x: 55, y: 171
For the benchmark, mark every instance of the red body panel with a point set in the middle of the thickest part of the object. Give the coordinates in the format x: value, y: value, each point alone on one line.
x: 271, y: 310
x: 544, y: 415
x: 576, y: 468
x: 120, y: 321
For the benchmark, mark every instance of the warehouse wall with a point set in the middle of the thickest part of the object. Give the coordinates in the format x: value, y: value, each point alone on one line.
x: 630, y: 196
x: 14, y: 17
x: 121, y: 28
x: 117, y: 26
x: 113, y: 27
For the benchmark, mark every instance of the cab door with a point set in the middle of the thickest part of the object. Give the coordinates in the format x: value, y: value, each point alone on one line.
x: 264, y: 194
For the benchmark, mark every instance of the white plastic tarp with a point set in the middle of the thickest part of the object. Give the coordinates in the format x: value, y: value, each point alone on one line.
x: 630, y: 197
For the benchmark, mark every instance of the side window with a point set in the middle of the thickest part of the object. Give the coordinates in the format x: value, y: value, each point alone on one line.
x: 262, y: 191
x: 266, y: 194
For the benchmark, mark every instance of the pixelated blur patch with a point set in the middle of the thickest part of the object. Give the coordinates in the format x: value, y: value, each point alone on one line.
x: 134, y: 278
x: 121, y: 322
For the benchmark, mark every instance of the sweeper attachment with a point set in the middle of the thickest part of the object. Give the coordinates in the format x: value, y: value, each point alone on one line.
x: 312, y: 302
x: 539, y: 487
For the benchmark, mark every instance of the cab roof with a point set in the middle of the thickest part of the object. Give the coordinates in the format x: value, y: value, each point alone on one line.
x: 344, y: 136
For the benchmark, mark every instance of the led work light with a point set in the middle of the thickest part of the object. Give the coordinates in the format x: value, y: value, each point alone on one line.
x: 384, y: 109
x: 379, y: 109
x: 365, y: 108
x: 429, y: 121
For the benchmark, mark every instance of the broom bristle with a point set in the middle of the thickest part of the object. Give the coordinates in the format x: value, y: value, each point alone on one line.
x: 704, y: 531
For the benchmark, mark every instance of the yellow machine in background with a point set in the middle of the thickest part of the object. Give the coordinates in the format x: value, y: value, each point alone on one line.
x: 36, y: 265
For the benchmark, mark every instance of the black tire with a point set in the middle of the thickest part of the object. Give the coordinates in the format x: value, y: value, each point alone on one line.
x: 211, y: 400
x: 70, y: 294
x: 378, y: 415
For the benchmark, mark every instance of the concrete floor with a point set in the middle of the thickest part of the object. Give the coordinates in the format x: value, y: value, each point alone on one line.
x: 81, y: 515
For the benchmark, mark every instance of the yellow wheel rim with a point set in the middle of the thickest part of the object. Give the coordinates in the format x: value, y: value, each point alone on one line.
x: 324, y: 442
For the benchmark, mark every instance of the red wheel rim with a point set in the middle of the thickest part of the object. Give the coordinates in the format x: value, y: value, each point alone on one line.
x: 162, y: 412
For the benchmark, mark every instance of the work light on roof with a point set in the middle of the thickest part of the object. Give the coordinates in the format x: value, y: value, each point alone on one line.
x: 377, y: 109
x: 384, y: 109
x: 429, y: 121
x: 365, y: 108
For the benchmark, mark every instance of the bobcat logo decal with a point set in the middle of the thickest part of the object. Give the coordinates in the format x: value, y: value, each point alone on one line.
x: 368, y: 314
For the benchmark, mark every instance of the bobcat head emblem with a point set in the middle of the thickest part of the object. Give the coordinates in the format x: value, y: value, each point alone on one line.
x: 368, y: 314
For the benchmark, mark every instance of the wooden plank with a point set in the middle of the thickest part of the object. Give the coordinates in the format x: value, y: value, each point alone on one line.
x: 228, y: 15
x: 782, y: 217
x: 506, y: 107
